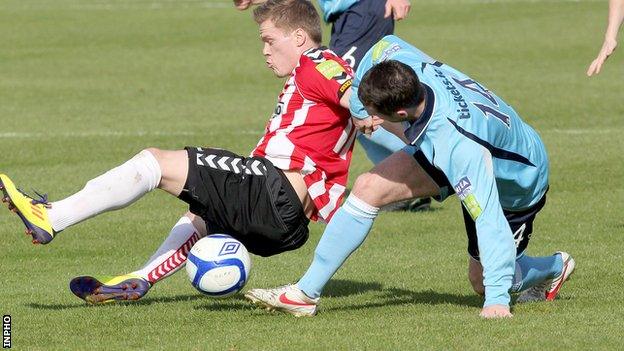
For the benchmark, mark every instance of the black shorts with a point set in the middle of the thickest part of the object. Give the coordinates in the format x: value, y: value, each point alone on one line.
x: 247, y: 198
x: 358, y: 28
x: 520, y: 222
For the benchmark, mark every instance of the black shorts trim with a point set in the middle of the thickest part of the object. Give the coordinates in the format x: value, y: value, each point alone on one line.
x: 520, y: 222
x: 247, y: 198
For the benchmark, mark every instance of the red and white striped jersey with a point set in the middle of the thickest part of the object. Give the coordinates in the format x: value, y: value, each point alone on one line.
x: 310, y: 132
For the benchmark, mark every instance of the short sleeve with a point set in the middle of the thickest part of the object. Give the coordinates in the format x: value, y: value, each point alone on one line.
x: 325, y: 82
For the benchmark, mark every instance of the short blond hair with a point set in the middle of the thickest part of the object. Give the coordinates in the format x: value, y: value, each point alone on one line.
x: 291, y: 15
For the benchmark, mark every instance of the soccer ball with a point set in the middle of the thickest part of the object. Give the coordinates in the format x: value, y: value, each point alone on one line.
x: 218, y: 265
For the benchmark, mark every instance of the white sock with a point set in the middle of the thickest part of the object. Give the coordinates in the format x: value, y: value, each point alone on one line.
x: 115, y: 189
x: 172, y: 253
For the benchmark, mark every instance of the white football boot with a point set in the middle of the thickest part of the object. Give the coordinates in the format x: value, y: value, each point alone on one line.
x: 548, y: 290
x: 287, y: 298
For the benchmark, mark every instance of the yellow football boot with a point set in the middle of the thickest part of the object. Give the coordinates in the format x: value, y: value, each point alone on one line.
x: 33, y: 212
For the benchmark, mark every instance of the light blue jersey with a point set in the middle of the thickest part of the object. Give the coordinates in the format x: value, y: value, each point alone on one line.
x: 492, y: 159
x: 334, y: 7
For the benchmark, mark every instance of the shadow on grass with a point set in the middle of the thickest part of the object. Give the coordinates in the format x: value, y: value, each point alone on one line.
x: 341, y: 287
x: 383, y: 297
x: 336, y: 288
x: 394, y: 296
x: 146, y: 301
x: 232, y: 303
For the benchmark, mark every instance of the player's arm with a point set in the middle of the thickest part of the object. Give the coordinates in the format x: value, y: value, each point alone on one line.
x: 616, y: 17
x: 469, y: 169
x: 244, y: 4
x: 344, y: 100
x: 361, y: 120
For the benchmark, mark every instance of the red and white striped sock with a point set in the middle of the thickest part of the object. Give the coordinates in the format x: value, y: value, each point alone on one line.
x: 171, y: 255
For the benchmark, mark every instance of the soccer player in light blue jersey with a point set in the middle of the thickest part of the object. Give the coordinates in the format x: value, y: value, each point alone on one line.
x: 464, y: 140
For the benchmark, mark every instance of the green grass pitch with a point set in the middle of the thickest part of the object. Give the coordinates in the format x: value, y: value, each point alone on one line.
x: 84, y: 85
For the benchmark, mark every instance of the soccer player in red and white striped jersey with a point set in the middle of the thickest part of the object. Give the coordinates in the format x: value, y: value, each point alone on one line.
x: 310, y: 133
x: 297, y: 172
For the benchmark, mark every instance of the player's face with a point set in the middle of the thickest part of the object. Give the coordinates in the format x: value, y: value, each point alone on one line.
x: 280, y: 49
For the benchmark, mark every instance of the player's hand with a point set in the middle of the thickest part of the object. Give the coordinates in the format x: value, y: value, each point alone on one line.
x: 608, y: 47
x: 397, y: 8
x: 367, y: 125
x: 496, y: 311
x: 242, y: 4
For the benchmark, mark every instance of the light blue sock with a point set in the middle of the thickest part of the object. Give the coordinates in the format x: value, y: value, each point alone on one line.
x: 531, y: 271
x: 344, y: 234
x: 380, y: 144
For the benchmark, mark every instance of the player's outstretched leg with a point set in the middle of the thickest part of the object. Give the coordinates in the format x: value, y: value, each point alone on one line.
x: 168, y: 259
x: 288, y: 298
x: 115, y: 189
x: 344, y: 234
x: 548, y: 289
x: 33, y: 212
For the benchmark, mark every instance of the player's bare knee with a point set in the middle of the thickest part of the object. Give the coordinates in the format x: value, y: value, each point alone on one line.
x: 168, y: 160
x: 364, y: 189
x: 157, y: 153
x: 363, y: 182
x: 173, y: 169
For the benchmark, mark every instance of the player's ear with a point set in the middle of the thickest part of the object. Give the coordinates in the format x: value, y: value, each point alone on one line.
x: 301, y: 37
x: 402, y: 113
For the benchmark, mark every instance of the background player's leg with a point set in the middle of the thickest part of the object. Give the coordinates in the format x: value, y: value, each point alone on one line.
x: 172, y: 253
x: 397, y: 178
x: 380, y: 145
x: 121, y: 186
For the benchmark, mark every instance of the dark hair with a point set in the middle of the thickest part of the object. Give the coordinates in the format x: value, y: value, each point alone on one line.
x: 390, y: 86
x: 291, y: 15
